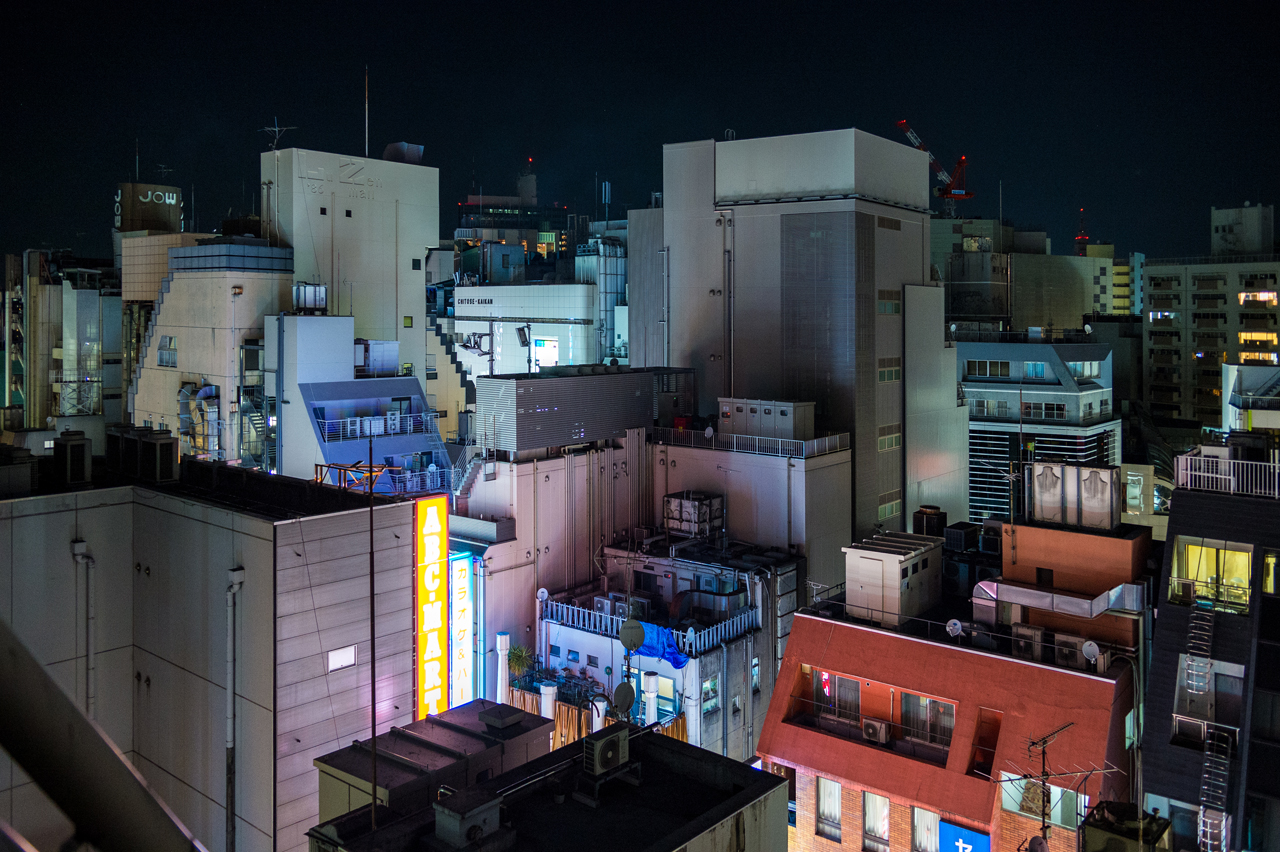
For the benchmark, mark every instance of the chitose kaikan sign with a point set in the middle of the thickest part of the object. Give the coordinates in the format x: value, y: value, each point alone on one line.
x: 431, y: 604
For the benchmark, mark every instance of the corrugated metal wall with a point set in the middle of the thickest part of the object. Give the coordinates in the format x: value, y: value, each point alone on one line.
x: 527, y: 414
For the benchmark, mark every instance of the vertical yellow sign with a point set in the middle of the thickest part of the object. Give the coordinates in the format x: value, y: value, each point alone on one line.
x: 431, y: 518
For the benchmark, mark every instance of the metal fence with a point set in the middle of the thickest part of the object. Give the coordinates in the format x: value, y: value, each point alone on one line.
x: 419, y: 481
x: 691, y: 644
x: 1227, y: 476
x: 356, y: 428
x: 784, y: 447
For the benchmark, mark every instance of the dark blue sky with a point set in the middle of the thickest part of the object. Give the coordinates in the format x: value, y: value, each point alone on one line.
x: 1145, y: 115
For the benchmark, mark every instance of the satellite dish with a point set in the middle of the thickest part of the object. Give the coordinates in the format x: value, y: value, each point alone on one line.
x: 543, y: 594
x: 1038, y: 844
x: 954, y: 627
x: 709, y: 433
x: 1091, y: 651
x: 688, y: 637
x: 623, y: 697
x: 953, y: 328
x: 1088, y: 329
x: 631, y: 634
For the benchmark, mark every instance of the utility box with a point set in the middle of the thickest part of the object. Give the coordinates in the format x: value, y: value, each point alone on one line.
x: 73, y: 458
x: 697, y: 514
x: 763, y: 418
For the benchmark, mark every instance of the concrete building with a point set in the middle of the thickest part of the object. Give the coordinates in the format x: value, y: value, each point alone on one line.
x: 1251, y: 398
x: 1033, y: 402
x: 1055, y: 290
x: 63, y: 355
x: 892, y: 741
x: 147, y: 652
x: 361, y: 228
x: 560, y: 321
x: 1210, y: 743
x: 626, y: 788
x: 1242, y: 230
x: 794, y: 267
x: 1200, y: 313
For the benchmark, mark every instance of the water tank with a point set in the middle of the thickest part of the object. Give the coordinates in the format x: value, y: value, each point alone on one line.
x: 929, y: 520
x: 310, y: 297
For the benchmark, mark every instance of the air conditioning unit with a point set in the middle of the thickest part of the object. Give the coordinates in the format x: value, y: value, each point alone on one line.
x: 1182, y: 591
x: 603, y: 605
x: 875, y: 731
x: 622, y: 609
x: 639, y: 609
x: 1027, y: 641
x: 1070, y: 653
x: 606, y: 749
x: 1099, y: 665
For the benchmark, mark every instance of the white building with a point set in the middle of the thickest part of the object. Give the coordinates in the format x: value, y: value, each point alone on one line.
x: 361, y: 227
x: 1243, y: 230
x: 892, y: 577
x: 560, y: 320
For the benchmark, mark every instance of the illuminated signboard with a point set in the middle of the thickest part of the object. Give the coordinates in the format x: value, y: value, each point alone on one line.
x: 430, y: 584
x: 460, y: 630
x: 953, y: 838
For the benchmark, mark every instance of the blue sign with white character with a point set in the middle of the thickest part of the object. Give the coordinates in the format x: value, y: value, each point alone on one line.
x: 953, y: 838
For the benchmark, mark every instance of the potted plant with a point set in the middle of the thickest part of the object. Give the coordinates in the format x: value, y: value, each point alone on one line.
x: 519, y: 660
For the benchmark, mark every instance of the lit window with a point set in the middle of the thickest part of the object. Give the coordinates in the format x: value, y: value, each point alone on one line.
x: 927, y: 719
x: 1258, y: 337
x: 981, y: 369
x: 1269, y: 559
x: 924, y: 830
x: 1261, y: 357
x: 836, y: 696
x: 889, y: 437
x: 408, y: 322
x: 828, y: 809
x: 875, y: 823
x: 755, y: 674
x: 1268, y: 296
x: 890, y: 505
x: 342, y: 658
x: 1033, y: 369
x: 1212, y: 570
x: 1027, y: 796
x: 889, y: 370
x: 710, y: 695
x: 889, y: 302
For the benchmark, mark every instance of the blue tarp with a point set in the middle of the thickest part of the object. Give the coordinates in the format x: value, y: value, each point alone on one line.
x: 659, y: 642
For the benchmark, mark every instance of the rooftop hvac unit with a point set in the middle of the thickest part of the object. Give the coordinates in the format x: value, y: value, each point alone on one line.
x: 955, y: 578
x: 989, y: 542
x: 622, y: 609
x: 606, y: 750
x: 72, y: 458
x: 929, y: 520
x: 158, y: 457
x: 961, y: 536
x: 875, y: 731
x: 603, y: 605
x: 1027, y: 641
x: 1071, y: 651
x: 310, y: 297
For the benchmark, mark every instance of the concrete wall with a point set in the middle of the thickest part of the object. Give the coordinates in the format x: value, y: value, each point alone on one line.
x: 161, y: 647
x: 646, y: 288
x: 759, y: 498
x: 568, y: 313
x: 145, y: 262
x: 365, y: 259
x: 322, y: 604
x: 1057, y: 289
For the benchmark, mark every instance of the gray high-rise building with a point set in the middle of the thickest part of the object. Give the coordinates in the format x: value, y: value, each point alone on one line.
x: 797, y: 268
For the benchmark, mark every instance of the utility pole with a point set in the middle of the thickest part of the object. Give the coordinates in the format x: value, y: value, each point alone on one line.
x: 373, y: 659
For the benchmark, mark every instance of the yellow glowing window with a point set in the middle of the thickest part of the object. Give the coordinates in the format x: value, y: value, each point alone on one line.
x: 1214, y: 563
x: 1264, y: 357
x: 1258, y: 337
x: 1269, y: 572
x: 1268, y: 296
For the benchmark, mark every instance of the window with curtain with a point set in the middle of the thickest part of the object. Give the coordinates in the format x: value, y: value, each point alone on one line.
x: 834, y: 695
x: 924, y: 830
x: 1219, y: 569
x: 828, y: 809
x: 875, y: 823
x: 927, y: 719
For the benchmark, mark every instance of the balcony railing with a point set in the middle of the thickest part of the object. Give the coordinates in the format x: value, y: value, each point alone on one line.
x: 784, y: 447
x: 1214, y: 259
x: 358, y: 428
x: 421, y: 481
x: 907, y: 741
x: 1227, y: 476
x: 604, y: 624
x: 1223, y: 596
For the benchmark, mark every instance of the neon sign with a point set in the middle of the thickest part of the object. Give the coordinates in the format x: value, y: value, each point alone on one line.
x: 460, y: 630
x: 431, y: 548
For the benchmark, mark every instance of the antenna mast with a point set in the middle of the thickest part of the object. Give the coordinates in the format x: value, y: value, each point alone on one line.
x: 366, y: 111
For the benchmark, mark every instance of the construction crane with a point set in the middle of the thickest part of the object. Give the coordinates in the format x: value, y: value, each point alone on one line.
x: 952, y: 188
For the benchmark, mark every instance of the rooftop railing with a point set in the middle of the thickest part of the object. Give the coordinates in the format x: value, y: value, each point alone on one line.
x: 784, y: 447
x: 1227, y: 476
x: 692, y: 642
x: 1211, y: 258
x: 378, y: 425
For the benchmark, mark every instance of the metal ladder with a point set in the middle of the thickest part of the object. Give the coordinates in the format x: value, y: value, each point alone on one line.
x: 1214, y: 825
x: 1199, y: 648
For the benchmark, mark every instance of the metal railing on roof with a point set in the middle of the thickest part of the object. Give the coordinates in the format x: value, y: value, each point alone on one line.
x: 1227, y: 476
x: 784, y: 447
x: 378, y: 425
x: 692, y: 642
x: 1211, y: 259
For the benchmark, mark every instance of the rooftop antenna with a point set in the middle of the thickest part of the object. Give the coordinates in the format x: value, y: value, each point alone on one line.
x: 164, y: 170
x: 276, y: 131
x: 366, y: 110
x: 137, y: 157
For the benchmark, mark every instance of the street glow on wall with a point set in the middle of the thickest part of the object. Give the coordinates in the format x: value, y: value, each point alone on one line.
x: 430, y: 584
x: 461, y: 595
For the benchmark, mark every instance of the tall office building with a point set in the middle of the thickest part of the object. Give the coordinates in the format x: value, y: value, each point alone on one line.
x: 796, y: 268
x: 1202, y: 312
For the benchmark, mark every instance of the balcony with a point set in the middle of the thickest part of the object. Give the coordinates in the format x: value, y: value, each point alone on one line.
x: 692, y: 642
x: 1227, y: 476
x: 752, y: 444
x: 900, y: 739
x: 379, y: 425
x: 1222, y: 596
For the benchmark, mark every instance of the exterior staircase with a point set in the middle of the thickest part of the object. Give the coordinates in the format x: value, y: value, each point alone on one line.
x: 455, y: 364
x: 146, y: 344
x: 1199, y: 648
x: 1214, y: 827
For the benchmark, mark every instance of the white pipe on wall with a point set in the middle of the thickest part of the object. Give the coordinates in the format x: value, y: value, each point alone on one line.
x: 503, y: 644
x: 79, y: 553
x: 650, y: 698
x: 235, y: 579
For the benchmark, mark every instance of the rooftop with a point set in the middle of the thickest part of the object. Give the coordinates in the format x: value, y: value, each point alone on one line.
x: 762, y: 446
x: 1212, y: 469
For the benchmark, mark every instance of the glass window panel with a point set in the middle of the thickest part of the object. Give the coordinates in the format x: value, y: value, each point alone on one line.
x: 875, y: 821
x: 828, y: 809
x: 924, y: 830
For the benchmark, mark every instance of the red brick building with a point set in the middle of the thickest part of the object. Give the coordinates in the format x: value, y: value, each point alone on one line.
x: 896, y: 743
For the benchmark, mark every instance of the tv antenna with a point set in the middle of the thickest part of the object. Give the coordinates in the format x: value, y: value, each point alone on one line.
x: 276, y: 131
x: 164, y: 170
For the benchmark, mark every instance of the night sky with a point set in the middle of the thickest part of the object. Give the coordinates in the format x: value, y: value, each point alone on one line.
x: 1143, y: 115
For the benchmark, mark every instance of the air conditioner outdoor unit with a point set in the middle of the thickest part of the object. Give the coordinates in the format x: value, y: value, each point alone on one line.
x: 622, y: 609
x: 1182, y: 591
x: 875, y: 731
x: 640, y: 608
x: 1101, y: 664
x: 1070, y: 651
x: 606, y: 750
x: 603, y: 605
x: 1027, y: 640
